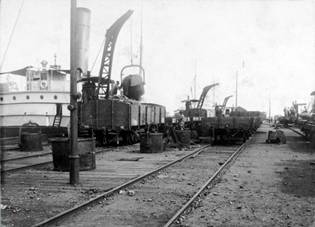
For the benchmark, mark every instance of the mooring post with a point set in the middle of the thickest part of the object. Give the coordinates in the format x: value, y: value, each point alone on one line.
x: 73, y: 107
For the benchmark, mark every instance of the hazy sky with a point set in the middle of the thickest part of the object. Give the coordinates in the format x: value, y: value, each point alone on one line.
x: 274, y: 39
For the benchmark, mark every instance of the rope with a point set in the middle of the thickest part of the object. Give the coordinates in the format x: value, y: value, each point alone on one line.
x: 11, y: 34
x: 131, y: 34
x: 98, y: 54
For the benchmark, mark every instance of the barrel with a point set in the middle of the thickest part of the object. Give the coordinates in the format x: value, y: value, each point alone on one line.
x: 151, y: 142
x: 31, y: 141
x: 184, y: 136
x: 61, y: 152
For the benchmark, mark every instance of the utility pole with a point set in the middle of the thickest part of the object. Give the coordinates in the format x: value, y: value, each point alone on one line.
x: 195, y: 79
x: 73, y: 107
x: 214, y: 94
x: 269, y: 109
x: 236, y: 88
x: 141, y: 37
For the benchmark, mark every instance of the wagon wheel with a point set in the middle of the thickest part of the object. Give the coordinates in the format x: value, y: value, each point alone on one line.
x: 127, y: 137
x: 134, y: 137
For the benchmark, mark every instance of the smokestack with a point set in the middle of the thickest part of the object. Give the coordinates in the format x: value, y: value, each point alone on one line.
x: 83, y: 16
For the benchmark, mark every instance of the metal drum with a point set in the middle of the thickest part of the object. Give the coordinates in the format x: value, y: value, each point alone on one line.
x: 31, y: 141
x: 133, y: 86
x: 61, y: 152
x: 151, y: 142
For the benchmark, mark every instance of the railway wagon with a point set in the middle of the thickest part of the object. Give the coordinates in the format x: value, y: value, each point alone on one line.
x: 119, y: 121
x: 228, y: 129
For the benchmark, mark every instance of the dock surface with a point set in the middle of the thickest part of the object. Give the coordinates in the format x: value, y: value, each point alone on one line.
x: 268, y: 185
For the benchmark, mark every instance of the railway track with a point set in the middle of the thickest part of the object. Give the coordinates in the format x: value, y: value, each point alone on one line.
x: 9, y: 165
x: 229, y: 158
x: 205, y: 186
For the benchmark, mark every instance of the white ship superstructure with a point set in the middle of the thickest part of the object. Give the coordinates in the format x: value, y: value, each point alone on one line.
x: 44, y: 100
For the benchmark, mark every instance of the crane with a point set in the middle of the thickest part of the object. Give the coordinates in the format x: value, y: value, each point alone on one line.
x: 226, y: 99
x: 204, y: 94
x: 195, y: 110
x: 104, y: 76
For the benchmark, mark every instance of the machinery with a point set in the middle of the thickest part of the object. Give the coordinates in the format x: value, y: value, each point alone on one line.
x: 291, y: 115
x: 193, y: 110
x: 221, y: 109
x: 112, y: 117
x: 306, y: 120
x: 233, y: 128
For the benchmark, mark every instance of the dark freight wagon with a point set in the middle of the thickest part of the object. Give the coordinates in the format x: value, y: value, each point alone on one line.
x: 116, y: 115
x: 228, y: 129
x: 119, y: 119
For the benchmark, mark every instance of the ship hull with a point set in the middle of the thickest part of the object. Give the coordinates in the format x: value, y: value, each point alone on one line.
x: 40, y: 107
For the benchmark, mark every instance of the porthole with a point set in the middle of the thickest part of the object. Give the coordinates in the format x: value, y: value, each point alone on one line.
x: 27, y: 97
x: 14, y: 98
x: 41, y: 97
x: 1, y: 99
x: 55, y: 97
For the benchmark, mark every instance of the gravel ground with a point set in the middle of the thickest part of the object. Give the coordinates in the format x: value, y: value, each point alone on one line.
x: 268, y: 185
x: 153, y: 202
x: 33, y: 195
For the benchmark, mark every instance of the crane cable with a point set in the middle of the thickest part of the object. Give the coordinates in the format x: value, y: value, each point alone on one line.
x: 11, y: 34
x: 98, y: 54
x: 131, y: 40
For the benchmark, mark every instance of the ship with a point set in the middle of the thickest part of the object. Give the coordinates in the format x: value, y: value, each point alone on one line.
x: 42, y: 104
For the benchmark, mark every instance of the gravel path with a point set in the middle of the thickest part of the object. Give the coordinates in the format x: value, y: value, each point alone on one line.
x: 268, y: 185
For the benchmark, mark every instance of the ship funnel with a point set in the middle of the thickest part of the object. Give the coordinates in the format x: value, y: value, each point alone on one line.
x: 83, y: 16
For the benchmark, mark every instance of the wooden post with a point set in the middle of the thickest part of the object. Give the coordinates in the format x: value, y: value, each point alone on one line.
x: 73, y: 107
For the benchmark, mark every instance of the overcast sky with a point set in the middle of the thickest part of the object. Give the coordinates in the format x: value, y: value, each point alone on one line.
x: 274, y: 39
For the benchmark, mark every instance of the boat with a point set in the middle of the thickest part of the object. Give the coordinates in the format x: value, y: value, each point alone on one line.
x: 42, y: 104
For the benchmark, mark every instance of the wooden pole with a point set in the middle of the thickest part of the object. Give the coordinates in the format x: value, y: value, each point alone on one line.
x: 73, y: 107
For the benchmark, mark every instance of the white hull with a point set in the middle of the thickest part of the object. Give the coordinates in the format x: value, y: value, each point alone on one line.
x: 18, y: 108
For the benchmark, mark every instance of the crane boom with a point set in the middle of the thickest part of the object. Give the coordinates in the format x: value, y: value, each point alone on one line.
x: 226, y: 99
x: 108, y: 53
x: 204, y: 94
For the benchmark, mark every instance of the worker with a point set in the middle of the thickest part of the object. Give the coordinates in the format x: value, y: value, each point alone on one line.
x: 114, y: 89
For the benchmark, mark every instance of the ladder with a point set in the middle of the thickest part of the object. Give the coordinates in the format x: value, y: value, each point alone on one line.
x: 57, y: 120
x: 58, y: 117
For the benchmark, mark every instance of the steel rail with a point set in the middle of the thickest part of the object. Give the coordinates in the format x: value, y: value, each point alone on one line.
x: 211, y: 179
x: 26, y: 157
x: 70, y: 211
x: 25, y: 167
